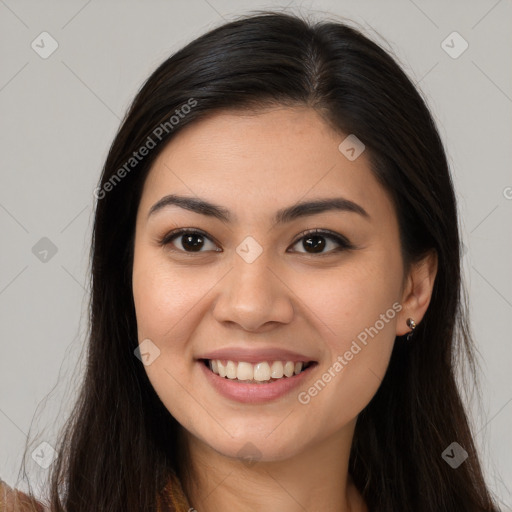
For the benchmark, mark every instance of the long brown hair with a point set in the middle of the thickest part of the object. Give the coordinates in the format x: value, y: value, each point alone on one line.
x: 120, y: 442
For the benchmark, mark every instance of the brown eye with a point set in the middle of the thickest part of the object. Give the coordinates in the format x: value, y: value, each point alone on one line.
x: 191, y: 240
x: 314, y: 242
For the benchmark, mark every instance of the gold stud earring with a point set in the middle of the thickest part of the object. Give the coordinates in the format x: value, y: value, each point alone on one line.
x: 412, y: 325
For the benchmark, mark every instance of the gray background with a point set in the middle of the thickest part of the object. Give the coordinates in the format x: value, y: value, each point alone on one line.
x: 60, y: 114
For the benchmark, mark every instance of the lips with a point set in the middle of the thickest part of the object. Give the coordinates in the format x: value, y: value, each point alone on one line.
x: 256, y: 356
x: 257, y: 392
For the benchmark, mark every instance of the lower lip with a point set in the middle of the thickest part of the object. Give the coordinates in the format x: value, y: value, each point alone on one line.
x: 254, y: 393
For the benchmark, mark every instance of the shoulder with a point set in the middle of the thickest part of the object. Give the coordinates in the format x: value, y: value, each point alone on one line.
x: 174, y: 497
x: 12, y: 500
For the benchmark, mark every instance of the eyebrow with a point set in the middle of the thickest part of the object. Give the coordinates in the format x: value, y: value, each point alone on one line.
x: 282, y: 216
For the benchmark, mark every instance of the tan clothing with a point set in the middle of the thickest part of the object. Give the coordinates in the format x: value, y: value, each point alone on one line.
x: 13, y: 500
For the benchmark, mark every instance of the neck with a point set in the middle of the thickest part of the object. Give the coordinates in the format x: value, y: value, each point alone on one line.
x: 316, y: 478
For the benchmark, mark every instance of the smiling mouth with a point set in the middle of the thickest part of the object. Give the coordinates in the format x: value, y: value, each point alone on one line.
x: 264, y: 372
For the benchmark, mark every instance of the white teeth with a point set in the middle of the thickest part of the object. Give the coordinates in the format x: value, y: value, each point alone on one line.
x: 260, y: 372
x: 231, y: 370
x: 222, y: 369
x: 244, y: 371
x: 276, y: 371
x: 289, y: 368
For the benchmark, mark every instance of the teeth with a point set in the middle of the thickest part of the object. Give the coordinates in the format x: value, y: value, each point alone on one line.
x: 222, y: 369
x: 244, y: 371
x: 231, y: 370
x: 276, y: 371
x: 260, y: 372
x: 289, y: 368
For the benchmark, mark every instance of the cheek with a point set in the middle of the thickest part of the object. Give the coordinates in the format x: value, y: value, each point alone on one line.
x: 353, y: 297
x: 356, y: 310
x: 164, y: 301
x: 163, y: 295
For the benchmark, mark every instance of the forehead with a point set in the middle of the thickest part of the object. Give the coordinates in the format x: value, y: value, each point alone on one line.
x: 252, y: 162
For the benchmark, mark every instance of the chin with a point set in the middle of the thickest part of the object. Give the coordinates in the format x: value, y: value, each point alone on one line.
x: 253, y: 449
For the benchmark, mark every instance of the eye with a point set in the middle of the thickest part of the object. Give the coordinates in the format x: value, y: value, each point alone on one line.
x: 315, y: 240
x: 191, y: 240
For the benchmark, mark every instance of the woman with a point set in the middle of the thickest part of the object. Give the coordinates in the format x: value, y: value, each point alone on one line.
x: 276, y: 302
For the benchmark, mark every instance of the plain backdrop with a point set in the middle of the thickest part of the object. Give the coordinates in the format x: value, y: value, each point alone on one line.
x: 60, y: 112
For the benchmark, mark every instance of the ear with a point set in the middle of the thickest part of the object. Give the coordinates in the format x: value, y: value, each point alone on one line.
x: 417, y: 291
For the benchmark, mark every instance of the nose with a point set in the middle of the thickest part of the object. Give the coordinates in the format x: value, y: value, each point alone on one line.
x: 254, y: 296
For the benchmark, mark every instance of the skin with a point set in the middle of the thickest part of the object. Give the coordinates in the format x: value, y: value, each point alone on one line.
x: 289, y: 297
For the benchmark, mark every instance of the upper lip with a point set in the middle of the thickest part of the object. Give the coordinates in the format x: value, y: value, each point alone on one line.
x: 255, y: 356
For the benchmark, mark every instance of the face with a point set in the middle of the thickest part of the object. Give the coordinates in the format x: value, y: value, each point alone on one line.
x: 242, y: 281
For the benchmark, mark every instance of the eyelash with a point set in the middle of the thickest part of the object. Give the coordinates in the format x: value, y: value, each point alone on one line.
x: 339, y: 239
